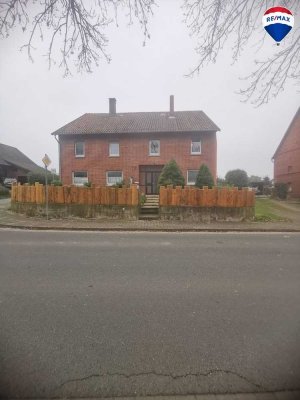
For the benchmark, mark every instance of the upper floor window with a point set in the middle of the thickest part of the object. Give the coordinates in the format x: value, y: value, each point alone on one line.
x: 191, y: 176
x: 79, y: 149
x: 196, y: 147
x: 154, y: 147
x: 79, y: 178
x: 114, y: 177
x: 114, y: 149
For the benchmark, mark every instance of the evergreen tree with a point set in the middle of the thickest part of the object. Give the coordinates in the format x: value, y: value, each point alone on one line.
x: 171, y: 175
x: 204, y: 177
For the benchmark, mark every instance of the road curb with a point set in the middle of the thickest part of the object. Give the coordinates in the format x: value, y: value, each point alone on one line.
x: 280, y: 395
x: 129, y: 229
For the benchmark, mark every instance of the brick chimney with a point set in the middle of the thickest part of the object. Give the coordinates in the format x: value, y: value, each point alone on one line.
x: 112, y: 106
x: 172, y: 104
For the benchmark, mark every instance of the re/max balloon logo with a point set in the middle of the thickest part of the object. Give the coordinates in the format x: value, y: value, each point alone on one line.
x: 278, y: 21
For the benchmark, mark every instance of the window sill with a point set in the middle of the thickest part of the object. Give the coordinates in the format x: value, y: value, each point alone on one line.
x: 116, y: 156
x: 196, y: 154
x: 79, y: 156
x: 154, y: 155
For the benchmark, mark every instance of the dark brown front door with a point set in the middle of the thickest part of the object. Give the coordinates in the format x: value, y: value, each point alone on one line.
x: 152, y: 182
x: 149, y: 178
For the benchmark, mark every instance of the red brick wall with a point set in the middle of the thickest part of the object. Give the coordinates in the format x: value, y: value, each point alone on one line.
x: 287, y: 159
x: 134, y: 151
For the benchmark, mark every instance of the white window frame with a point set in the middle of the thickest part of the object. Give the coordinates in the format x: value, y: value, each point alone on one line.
x: 79, y: 155
x: 187, y: 176
x: 154, y: 154
x: 113, y: 183
x: 195, y: 152
x: 84, y: 180
x: 109, y: 151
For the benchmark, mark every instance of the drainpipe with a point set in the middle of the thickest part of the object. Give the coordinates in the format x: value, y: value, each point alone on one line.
x: 55, y: 137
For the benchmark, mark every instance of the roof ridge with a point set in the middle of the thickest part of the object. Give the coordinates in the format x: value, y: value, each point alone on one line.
x: 143, y: 112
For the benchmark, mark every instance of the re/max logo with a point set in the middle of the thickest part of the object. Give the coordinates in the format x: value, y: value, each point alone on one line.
x: 278, y: 18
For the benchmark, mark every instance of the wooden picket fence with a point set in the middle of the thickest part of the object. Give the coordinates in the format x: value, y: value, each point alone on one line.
x: 76, y: 195
x: 215, y: 197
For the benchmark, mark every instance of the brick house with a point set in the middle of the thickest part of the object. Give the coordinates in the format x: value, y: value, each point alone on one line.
x: 107, y: 148
x: 287, y: 158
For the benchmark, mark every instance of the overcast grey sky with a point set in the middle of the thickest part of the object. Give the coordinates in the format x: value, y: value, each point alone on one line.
x: 35, y: 101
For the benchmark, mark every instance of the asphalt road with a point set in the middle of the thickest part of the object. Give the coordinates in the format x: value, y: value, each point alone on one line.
x: 111, y: 314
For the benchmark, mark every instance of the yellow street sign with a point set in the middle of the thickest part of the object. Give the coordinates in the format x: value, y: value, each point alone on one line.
x: 46, y: 160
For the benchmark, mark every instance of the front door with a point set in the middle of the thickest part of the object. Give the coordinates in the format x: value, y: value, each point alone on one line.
x: 152, y: 182
x: 149, y: 179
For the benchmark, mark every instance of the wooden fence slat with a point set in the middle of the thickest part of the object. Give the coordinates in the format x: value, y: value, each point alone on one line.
x: 244, y: 191
x: 97, y: 195
x: 60, y: 194
x: 163, y: 196
x: 134, y: 195
x: 235, y: 196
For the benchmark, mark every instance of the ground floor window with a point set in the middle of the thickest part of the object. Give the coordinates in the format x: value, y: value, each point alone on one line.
x: 79, y: 178
x: 191, y: 176
x: 113, y: 177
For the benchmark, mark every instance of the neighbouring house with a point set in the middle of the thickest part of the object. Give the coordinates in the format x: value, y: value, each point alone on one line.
x: 14, y: 164
x: 287, y: 158
x: 107, y: 148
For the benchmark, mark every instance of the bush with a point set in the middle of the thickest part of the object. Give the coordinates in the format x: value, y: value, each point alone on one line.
x: 121, y: 184
x: 56, y: 183
x: 88, y: 184
x: 4, y: 192
x: 142, y: 199
x: 41, y: 178
x: 221, y: 182
x: 171, y: 175
x: 237, y: 177
x: 204, y: 177
x: 281, y: 190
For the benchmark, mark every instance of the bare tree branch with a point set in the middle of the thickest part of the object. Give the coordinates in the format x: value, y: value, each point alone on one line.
x: 216, y: 23
x: 76, y: 26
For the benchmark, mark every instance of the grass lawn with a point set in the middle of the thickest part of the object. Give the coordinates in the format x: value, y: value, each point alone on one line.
x: 266, y: 210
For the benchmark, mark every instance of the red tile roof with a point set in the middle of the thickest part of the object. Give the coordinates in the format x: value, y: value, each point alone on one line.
x: 139, y: 122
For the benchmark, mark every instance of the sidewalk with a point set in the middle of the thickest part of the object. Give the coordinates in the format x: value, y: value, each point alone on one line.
x: 285, y: 395
x: 8, y: 219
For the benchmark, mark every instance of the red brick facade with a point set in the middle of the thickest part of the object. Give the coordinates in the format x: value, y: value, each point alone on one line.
x: 287, y: 158
x: 134, y: 153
